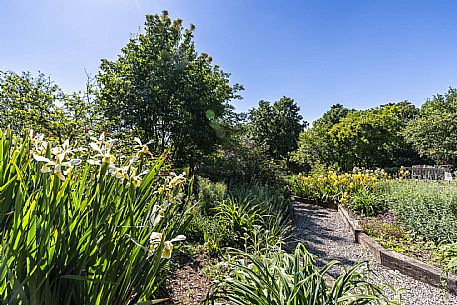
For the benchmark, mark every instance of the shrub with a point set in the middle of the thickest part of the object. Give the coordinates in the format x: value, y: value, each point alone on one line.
x: 367, y: 203
x: 352, y: 189
x: 76, y: 232
x: 237, y: 219
x: 209, y: 194
x: 426, y: 208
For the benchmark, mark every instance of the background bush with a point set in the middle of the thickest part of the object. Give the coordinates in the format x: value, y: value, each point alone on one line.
x: 426, y: 208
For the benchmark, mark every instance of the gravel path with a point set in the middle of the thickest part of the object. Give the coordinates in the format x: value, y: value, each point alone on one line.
x: 325, y: 235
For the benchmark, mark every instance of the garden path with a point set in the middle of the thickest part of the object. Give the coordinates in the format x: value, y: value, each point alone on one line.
x: 325, y: 235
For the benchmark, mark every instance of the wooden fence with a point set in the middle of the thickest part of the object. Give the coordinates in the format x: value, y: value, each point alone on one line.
x: 432, y: 173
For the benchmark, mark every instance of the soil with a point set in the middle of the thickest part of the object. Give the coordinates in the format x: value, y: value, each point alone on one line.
x: 188, y: 284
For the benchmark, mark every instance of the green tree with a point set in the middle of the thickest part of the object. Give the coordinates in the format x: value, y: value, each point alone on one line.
x: 314, y: 145
x: 433, y: 133
x: 276, y: 127
x: 28, y: 102
x: 373, y: 137
x: 161, y: 88
x: 347, y: 138
x: 37, y: 103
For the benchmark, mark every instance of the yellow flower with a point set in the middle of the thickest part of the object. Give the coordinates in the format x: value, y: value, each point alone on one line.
x: 155, y: 238
x: 108, y: 158
x: 168, y: 247
x: 137, y: 181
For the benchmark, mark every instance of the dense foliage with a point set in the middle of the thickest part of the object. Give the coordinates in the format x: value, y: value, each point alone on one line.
x: 239, y: 215
x: 161, y: 88
x: 355, y: 190
x: 427, y: 209
x: 433, y: 133
x: 93, y: 223
x: 84, y: 226
x: 276, y: 127
x: 35, y: 102
x: 348, y: 138
x: 280, y: 278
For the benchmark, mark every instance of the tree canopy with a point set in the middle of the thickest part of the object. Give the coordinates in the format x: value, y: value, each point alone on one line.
x: 433, y: 133
x: 161, y: 88
x: 276, y: 127
x: 347, y: 138
x: 37, y: 103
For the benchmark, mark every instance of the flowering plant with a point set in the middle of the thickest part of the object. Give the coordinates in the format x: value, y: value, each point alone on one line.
x: 85, y: 225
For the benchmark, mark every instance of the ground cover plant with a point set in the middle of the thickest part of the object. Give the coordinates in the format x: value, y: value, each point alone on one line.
x: 277, y: 277
x: 238, y: 215
x: 421, y: 221
x: 84, y: 226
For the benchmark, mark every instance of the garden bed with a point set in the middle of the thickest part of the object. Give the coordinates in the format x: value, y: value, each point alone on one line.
x: 408, y: 265
x: 397, y: 261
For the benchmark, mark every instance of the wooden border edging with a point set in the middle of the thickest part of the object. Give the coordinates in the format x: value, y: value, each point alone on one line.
x: 406, y: 265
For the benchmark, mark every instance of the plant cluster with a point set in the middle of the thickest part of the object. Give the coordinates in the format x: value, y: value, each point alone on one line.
x: 348, y: 138
x: 427, y: 209
x: 355, y: 190
x: 420, y: 221
x: 280, y: 278
x: 239, y: 216
x: 85, y: 225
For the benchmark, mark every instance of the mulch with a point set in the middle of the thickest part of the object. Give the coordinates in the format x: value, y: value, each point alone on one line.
x: 188, y: 284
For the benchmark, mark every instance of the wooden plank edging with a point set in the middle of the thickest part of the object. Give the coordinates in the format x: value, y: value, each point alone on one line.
x: 395, y: 261
x: 406, y: 265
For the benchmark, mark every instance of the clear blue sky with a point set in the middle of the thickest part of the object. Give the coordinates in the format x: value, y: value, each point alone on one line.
x: 360, y: 53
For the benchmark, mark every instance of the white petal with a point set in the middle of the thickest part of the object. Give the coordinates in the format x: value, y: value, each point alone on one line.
x: 66, y: 144
x: 75, y: 161
x: 157, y: 219
x: 95, y: 147
x: 138, y: 141
x: 93, y: 162
x: 178, y: 238
x: 56, y: 150
x: 41, y: 159
x: 155, y: 236
x: 144, y: 172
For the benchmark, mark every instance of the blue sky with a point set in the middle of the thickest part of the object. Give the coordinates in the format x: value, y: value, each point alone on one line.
x: 360, y: 53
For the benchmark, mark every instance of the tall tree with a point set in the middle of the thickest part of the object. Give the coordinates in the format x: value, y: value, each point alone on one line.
x: 434, y: 132
x: 315, y: 145
x: 28, y: 102
x: 163, y: 89
x: 276, y: 127
x: 36, y: 102
x: 348, y: 138
x: 370, y: 137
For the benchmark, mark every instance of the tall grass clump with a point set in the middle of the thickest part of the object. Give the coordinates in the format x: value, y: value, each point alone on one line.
x: 278, y: 278
x: 85, y: 225
x: 239, y: 215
